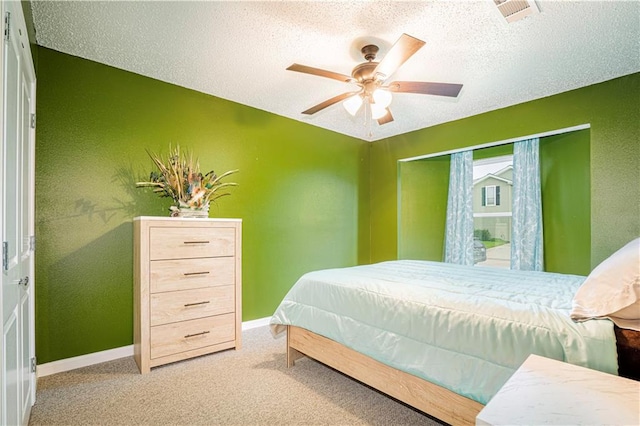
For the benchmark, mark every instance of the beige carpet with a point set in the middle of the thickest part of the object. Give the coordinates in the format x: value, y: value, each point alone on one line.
x: 247, y: 387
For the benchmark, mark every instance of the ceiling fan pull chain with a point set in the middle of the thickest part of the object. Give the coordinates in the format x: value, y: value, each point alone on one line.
x: 367, y: 118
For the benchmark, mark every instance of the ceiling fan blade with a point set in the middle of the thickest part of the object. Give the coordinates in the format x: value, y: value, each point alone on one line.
x: 387, y: 118
x: 329, y: 102
x: 402, y: 50
x: 425, y: 88
x: 320, y: 72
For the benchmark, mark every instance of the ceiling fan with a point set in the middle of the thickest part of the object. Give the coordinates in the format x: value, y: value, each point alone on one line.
x: 371, y: 76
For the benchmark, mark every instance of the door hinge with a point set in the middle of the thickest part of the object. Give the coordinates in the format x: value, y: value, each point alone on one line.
x: 7, y: 22
x: 33, y: 121
x: 33, y: 364
x: 32, y: 243
x: 5, y: 255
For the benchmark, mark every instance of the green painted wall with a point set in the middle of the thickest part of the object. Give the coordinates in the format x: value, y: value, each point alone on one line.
x: 566, y: 202
x: 302, y: 195
x: 493, y: 151
x: 422, y: 208
x: 309, y: 198
x: 612, y: 109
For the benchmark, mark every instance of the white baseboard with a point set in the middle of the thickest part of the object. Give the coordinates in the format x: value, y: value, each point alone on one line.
x: 109, y: 355
x: 83, y: 361
x: 248, y: 325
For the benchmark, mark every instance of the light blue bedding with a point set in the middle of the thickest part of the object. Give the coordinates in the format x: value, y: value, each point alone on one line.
x: 462, y: 327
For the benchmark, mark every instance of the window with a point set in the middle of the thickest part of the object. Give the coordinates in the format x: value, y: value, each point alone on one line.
x: 492, y: 181
x: 491, y: 195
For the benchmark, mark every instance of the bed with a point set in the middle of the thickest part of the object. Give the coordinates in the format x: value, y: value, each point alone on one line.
x: 442, y: 338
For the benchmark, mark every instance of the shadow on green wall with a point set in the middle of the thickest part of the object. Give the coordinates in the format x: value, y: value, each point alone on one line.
x: 130, y: 201
x: 93, y: 282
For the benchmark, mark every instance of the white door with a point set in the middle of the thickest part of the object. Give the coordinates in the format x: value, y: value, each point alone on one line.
x: 17, y: 220
x: 27, y: 245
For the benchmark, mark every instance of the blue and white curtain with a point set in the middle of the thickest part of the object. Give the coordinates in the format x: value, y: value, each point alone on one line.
x: 526, y: 235
x: 459, y: 231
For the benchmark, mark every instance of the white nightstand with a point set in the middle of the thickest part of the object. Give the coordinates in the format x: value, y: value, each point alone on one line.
x: 549, y: 392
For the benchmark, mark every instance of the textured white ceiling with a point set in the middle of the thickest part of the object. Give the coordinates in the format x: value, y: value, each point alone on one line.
x: 239, y: 50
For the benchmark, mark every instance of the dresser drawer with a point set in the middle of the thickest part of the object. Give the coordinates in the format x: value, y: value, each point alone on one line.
x: 183, y: 305
x: 184, y: 274
x: 182, y: 243
x: 170, y: 339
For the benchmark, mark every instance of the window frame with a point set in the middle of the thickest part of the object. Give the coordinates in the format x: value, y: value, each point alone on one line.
x: 485, y: 194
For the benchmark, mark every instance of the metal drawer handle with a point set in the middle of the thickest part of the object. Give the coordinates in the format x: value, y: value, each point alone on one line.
x: 186, y: 274
x: 196, y: 334
x: 196, y: 304
x: 196, y: 242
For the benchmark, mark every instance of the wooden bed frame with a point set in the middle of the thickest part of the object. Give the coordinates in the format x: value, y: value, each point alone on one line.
x: 414, y: 391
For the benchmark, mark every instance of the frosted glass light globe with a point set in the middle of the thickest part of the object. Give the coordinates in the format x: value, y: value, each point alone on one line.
x: 382, y: 97
x: 352, y: 104
x: 377, y: 111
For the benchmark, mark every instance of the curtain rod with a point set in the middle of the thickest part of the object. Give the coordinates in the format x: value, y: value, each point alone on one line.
x: 503, y: 142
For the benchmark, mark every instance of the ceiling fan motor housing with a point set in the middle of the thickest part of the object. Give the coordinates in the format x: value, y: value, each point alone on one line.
x: 364, y: 72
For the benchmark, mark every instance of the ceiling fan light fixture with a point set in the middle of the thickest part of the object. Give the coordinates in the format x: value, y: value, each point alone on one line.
x: 382, y: 97
x: 371, y: 77
x: 353, y: 104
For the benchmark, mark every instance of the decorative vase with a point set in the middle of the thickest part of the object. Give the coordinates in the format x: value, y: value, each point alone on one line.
x: 184, y: 210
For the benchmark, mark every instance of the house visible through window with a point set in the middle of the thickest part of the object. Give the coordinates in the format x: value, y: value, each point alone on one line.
x: 492, y: 185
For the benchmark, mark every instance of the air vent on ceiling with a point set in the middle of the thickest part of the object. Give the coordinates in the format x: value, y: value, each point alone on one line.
x: 514, y: 10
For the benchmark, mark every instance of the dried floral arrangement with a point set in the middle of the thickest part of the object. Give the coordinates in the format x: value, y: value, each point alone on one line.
x: 179, y: 178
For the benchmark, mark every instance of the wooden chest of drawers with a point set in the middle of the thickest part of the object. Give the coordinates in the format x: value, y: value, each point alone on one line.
x: 187, y: 288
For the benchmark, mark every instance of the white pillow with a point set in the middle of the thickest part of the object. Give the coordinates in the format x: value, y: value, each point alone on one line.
x: 612, y: 290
